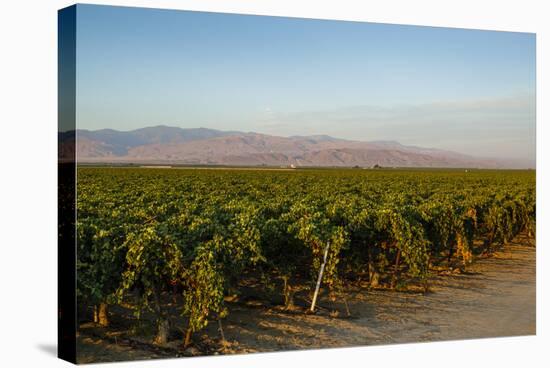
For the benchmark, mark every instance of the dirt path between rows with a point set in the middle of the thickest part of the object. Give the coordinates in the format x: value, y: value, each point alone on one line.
x: 496, y: 297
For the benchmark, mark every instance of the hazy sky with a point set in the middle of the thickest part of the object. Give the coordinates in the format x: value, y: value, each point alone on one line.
x: 464, y: 90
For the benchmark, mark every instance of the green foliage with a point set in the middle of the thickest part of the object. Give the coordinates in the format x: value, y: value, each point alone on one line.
x: 142, y: 232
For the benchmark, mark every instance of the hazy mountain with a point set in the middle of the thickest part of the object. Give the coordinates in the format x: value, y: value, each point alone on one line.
x: 117, y: 143
x: 201, y: 146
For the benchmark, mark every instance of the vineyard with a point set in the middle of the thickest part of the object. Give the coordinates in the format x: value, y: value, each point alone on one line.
x: 196, y: 237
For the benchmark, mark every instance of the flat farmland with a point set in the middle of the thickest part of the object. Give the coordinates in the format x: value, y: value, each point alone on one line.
x: 185, y: 262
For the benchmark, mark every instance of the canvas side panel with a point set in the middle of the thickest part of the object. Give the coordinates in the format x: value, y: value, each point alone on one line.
x: 66, y: 251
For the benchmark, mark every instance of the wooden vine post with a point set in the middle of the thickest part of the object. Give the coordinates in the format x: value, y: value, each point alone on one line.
x: 220, y: 329
x: 395, y: 269
x: 321, y: 270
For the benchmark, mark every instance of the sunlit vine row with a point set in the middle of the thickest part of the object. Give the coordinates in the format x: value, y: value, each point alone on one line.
x: 144, y: 233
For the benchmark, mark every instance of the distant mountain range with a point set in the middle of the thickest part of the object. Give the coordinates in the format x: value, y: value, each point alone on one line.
x: 201, y: 146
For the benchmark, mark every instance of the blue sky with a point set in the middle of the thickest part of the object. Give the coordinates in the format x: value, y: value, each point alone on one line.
x: 465, y: 90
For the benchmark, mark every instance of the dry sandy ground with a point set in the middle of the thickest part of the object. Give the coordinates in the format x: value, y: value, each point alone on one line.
x: 496, y: 297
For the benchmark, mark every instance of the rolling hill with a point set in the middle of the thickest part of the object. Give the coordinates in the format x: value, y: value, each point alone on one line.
x: 202, y: 146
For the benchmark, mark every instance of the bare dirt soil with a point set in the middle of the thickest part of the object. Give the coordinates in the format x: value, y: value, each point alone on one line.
x: 494, y: 298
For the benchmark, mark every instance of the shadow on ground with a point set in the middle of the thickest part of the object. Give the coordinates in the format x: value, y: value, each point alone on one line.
x: 50, y: 349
